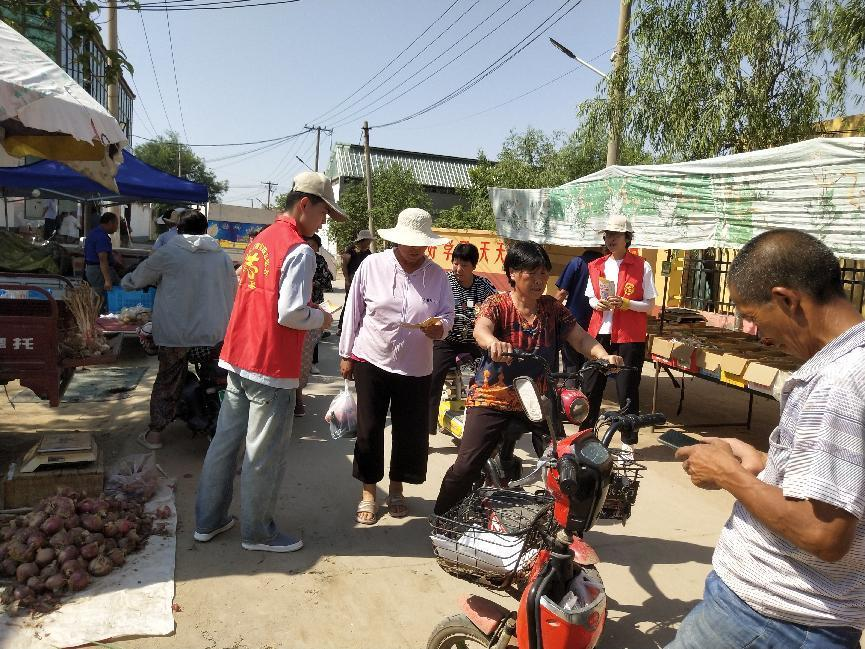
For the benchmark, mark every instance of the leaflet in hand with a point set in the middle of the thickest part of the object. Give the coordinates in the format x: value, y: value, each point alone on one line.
x: 426, y: 323
x: 329, y: 307
x: 606, y: 288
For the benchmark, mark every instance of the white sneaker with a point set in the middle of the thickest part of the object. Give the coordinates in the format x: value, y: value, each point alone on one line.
x: 204, y: 537
x: 315, y: 371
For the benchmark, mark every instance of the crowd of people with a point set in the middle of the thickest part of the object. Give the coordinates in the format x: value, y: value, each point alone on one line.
x: 787, y: 568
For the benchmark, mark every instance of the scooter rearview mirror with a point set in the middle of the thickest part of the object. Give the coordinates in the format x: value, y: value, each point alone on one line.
x: 527, y: 391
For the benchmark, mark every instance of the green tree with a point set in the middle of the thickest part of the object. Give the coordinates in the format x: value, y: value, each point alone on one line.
x: 532, y: 159
x: 162, y: 153
x: 839, y: 29
x: 709, y: 77
x: 82, y: 27
x: 394, y: 188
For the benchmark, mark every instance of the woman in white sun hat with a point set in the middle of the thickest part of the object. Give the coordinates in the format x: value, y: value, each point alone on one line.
x: 399, y: 303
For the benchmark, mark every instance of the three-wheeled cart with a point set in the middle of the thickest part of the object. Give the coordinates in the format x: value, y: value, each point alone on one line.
x: 34, y: 319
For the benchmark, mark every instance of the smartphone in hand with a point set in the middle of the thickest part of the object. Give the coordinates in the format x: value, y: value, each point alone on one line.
x: 677, y: 439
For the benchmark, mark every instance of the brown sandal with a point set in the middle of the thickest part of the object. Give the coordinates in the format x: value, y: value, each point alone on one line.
x: 397, y: 506
x: 366, y: 507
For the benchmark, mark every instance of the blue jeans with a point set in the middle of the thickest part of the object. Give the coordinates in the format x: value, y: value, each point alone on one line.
x: 723, y: 621
x: 262, y: 417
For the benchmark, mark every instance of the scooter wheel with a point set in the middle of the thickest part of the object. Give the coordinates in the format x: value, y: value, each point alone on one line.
x: 456, y: 632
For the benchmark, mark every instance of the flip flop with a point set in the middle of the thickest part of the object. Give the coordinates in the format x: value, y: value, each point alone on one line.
x: 366, y: 507
x: 396, y: 506
x: 142, y: 439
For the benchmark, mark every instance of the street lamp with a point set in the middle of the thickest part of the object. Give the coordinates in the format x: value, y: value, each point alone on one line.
x: 564, y: 50
x: 613, y: 143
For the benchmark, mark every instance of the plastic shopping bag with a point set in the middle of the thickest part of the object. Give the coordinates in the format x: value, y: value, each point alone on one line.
x: 342, y: 415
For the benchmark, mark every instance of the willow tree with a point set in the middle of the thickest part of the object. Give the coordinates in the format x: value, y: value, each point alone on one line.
x: 709, y: 77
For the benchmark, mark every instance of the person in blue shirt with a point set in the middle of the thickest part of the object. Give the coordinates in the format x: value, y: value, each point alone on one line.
x: 572, y: 289
x: 98, y: 255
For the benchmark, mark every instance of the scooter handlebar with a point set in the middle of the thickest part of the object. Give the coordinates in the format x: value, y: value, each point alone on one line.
x: 567, y: 475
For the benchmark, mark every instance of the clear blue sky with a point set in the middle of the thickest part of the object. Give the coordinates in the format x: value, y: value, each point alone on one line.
x: 264, y: 72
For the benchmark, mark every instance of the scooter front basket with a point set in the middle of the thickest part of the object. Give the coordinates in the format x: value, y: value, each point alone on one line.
x: 624, y: 483
x: 492, y: 537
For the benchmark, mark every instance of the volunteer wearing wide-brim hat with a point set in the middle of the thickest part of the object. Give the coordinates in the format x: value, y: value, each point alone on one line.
x: 399, y: 303
x: 621, y: 292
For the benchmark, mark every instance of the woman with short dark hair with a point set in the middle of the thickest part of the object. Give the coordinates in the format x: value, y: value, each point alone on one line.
x: 470, y: 291
x: 523, y: 318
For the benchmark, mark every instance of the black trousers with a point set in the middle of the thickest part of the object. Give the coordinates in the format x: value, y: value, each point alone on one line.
x: 627, y: 383
x: 444, y: 358
x: 407, y: 397
x: 483, y: 430
x: 345, y: 304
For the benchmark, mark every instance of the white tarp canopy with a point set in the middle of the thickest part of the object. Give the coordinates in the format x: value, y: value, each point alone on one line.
x: 44, y: 113
x: 817, y: 186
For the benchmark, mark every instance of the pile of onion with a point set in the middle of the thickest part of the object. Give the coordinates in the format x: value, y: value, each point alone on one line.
x: 65, y: 542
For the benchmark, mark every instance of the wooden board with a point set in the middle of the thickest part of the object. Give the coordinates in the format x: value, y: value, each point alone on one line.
x: 27, y: 489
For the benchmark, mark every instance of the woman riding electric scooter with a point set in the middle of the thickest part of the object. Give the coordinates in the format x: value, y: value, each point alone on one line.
x: 523, y: 319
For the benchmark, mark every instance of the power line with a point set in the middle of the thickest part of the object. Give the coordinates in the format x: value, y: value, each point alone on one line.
x: 155, y: 76
x: 530, y: 38
x: 202, y: 6
x: 140, y: 100
x: 274, y: 139
x: 403, y: 67
x: 174, y: 69
x: 445, y: 65
x: 393, y: 60
x: 512, y: 99
x: 284, y: 162
x: 247, y: 155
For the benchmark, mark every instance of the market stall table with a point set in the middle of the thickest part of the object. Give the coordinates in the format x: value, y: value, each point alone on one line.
x: 729, y: 358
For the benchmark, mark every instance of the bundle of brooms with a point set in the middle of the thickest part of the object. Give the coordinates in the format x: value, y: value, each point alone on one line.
x: 85, y: 338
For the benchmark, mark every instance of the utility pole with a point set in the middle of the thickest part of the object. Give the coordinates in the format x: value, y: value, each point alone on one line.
x: 178, y: 159
x: 114, y: 86
x: 318, y: 130
x: 617, y: 90
x: 367, y: 172
x: 270, y: 186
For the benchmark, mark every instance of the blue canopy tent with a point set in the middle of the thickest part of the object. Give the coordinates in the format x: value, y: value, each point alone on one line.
x: 136, y: 180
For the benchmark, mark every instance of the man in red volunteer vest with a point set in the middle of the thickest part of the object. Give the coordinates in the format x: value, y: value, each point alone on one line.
x: 621, y: 292
x: 261, y: 352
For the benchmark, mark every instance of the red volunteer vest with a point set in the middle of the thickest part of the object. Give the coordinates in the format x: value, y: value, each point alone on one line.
x: 628, y: 326
x: 255, y: 341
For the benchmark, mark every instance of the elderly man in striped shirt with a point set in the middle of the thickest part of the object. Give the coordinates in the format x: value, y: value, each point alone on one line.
x: 789, y: 567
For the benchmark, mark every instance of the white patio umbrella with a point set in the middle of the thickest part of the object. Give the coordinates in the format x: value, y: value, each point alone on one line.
x: 44, y: 113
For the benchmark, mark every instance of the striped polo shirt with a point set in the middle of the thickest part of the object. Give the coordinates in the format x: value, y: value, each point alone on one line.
x: 817, y: 452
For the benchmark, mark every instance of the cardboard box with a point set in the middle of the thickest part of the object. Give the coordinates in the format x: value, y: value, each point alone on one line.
x: 761, y: 377
x: 673, y: 353
x: 710, y: 363
x: 733, y: 366
x: 768, y: 375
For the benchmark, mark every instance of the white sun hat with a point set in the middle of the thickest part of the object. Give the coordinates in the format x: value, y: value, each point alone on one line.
x: 413, y: 228
x: 617, y: 223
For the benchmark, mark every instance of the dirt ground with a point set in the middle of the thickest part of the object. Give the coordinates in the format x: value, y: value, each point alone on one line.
x: 379, y: 586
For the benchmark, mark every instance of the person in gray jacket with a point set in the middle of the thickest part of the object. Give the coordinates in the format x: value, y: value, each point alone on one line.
x: 195, y: 292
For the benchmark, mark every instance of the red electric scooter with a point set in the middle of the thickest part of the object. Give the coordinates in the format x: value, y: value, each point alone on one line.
x: 513, y: 539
